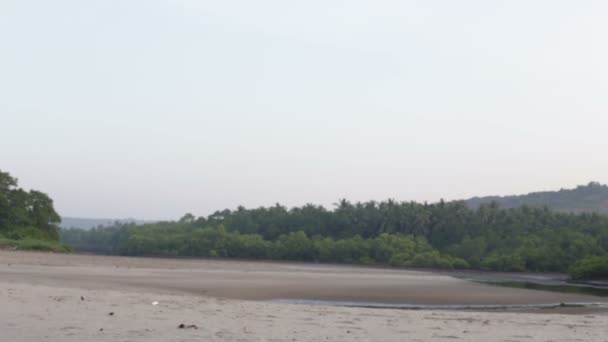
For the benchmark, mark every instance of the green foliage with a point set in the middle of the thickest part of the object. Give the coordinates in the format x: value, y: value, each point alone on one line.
x: 34, y: 245
x: 27, y: 218
x: 594, y: 267
x: 504, y: 262
x: 177, y: 239
x: 471, y: 249
x: 403, y: 234
x: 18, y: 233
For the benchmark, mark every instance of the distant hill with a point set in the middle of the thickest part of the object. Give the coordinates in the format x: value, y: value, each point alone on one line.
x: 592, y: 197
x: 88, y: 223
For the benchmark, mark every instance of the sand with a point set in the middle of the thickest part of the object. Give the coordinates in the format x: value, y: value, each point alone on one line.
x: 51, y: 297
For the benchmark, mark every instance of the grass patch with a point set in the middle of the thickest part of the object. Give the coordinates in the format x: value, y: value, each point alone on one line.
x: 29, y: 244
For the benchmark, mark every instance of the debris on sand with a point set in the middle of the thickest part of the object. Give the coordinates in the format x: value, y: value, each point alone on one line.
x: 111, y: 313
x: 189, y: 326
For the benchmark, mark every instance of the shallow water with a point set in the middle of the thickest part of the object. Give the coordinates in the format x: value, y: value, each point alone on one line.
x: 474, y: 307
x: 565, y: 288
x: 553, y: 285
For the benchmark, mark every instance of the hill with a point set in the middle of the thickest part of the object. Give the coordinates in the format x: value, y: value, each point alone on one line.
x: 592, y: 197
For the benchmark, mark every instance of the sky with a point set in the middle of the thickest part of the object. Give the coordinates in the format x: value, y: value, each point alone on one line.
x: 154, y: 108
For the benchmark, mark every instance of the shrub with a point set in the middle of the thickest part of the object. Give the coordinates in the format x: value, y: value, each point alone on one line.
x: 35, y: 245
x: 595, y: 267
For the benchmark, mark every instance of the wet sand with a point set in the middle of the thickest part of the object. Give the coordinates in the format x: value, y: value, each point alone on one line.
x: 264, y: 280
x: 51, y: 297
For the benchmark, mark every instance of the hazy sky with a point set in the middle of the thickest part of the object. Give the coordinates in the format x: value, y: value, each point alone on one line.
x: 153, y: 108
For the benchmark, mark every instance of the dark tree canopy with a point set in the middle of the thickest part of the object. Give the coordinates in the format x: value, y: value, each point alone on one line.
x: 443, y: 234
x: 25, y: 214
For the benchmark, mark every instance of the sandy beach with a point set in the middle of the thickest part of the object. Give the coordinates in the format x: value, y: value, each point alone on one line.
x: 52, y: 297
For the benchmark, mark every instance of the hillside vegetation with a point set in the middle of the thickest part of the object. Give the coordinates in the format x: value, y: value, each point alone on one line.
x: 443, y: 235
x: 592, y: 197
x: 27, y: 218
x: 88, y: 223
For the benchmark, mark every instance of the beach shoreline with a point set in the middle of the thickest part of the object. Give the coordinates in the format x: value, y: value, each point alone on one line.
x: 56, y: 297
x: 250, y: 280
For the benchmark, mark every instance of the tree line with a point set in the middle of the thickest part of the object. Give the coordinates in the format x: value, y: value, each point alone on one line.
x: 443, y: 235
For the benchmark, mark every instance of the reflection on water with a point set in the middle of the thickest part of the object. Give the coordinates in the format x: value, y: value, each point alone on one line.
x: 578, y: 289
x: 550, y: 284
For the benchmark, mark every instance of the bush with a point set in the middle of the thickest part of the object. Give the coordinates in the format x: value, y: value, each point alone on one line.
x: 459, y: 263
x: 504, y: 262
x: 400, y: 260
x: 431, y: 260
x: 594, y: 267
x: 366, y: 261
x: 35, y: 245
x: 19, y: 233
